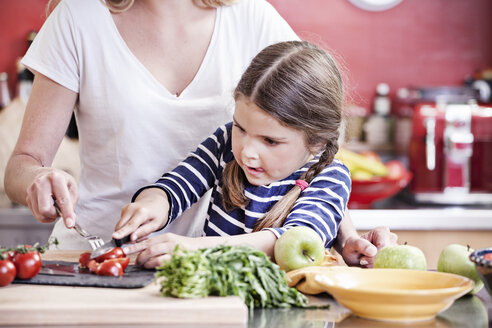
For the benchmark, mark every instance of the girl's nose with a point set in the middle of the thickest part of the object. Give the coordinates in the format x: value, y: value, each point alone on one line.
x: 249, y: 151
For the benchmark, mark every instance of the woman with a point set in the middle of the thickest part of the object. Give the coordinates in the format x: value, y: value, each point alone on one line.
x: 149, y: 80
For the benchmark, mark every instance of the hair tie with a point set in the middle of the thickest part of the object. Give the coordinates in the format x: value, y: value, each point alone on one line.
x: 302, y: 184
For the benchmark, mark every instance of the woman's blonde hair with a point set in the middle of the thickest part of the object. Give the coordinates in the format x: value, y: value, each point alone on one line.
x: 119, y: 6
x: 300, y: 85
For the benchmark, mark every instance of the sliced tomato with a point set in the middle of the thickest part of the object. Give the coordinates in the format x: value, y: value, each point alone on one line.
x: 27, y: 264
x: 123, y: 261
x: 7, y: 272
x: 115, y: 253
x: 84, y: 259
x: 110, y: 268
x: 93, y: 265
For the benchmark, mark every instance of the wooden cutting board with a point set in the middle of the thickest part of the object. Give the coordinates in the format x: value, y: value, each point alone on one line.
x: 61, y: 305
x: 27, y: 304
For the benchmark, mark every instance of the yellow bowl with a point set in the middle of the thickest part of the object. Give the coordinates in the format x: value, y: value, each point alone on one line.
x: 393, y: 294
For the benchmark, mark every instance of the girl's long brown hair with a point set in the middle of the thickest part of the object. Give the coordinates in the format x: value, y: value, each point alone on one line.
x: 300, y: 85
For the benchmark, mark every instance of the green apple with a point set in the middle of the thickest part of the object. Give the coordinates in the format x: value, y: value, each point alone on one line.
x: 400, y: 257
x: 454, y: 259
x: 299, y: 247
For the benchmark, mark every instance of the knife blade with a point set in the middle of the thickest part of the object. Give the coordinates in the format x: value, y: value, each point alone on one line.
x: 54, y: 272
x: 108, y: 246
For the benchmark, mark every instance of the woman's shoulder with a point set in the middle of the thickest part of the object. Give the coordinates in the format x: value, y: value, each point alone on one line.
x: 85, y: 10
x: 255, y: 11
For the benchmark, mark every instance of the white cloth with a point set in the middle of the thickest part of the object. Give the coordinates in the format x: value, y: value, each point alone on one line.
x: 131, y: 128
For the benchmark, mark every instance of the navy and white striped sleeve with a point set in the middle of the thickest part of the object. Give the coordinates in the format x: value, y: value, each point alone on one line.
x: 191, y: 179
x: 321, y: 206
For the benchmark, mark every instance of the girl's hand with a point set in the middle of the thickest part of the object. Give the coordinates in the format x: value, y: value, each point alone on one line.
x: 361, y: 251
x: 147, y: 214
x: 49, y: 183
x: 159, y: 248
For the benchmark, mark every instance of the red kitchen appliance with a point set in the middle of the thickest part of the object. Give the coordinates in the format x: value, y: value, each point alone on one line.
x: 450, y: 152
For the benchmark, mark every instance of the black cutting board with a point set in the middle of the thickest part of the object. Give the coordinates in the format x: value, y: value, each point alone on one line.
x: 134, y: 277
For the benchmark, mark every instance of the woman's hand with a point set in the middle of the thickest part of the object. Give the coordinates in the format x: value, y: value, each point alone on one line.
x: 361, y: 251
x: 52, y: 183
x: 147, y: 214
x: 159, y: 248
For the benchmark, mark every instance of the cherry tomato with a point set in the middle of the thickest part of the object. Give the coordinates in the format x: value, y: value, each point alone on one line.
x: 84, y: 259
x: 7, y: 272
x: 9, y: 255
x: 110, y: 268
x: 124, y: 261
x: 488, y: 256
x: 27, y: 264
x: 115, y: 253
x: 93, y: 266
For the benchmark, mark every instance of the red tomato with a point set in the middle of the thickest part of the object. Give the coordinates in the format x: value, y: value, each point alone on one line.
x: 110, y: 268
x: 27, y: 264
x: 396, y: 169
x: 115, y: 253
x: 84, y: 259
x: 93, y: 266
x: 7, y: 272
x: 123, y: 261
x: 9, y: 255
x: 488, y: 256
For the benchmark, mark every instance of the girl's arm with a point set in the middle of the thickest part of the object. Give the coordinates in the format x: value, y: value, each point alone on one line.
x: 175, y: 191
x: 360, y: 251
x: 148, y: 213
x: 29, y: 179
x: 159, y: 248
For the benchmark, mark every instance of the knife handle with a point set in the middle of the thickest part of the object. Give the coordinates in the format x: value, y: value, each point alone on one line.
x: 124, y: 240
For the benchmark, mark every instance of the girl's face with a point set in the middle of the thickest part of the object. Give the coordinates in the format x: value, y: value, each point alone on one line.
x: 266, y: 150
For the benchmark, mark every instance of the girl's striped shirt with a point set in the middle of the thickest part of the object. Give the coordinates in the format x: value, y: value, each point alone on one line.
x: 320, y: 206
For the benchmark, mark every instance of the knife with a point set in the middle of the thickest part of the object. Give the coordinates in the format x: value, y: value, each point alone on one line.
x: 54, y: 272
x: 109, y: 246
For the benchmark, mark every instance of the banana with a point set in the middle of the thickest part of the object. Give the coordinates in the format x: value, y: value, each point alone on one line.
x: 355, y: 162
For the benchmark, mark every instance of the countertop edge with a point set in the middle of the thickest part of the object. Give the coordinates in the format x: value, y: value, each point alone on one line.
x: 423, y: 219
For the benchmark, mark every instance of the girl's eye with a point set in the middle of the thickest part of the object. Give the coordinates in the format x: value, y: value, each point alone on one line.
x: 271, y: 142
x: 238, y: 127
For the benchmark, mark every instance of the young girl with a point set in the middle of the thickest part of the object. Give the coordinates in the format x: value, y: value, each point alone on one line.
x: 270, y: 169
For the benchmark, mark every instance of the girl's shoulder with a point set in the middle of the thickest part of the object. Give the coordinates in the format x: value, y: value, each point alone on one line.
x: 335, y: 173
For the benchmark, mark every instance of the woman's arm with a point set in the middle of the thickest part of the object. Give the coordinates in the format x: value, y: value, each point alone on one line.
x: 159, y: 248
x: 29, y: 179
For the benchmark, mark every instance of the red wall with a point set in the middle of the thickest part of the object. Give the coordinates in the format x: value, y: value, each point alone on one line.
x: 418, y: 42
x: 17, y: 19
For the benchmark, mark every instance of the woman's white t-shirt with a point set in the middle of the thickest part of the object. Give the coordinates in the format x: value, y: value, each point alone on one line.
x: 131, y: 128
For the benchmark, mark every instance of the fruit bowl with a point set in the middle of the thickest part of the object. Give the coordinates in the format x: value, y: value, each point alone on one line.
x: 365, y: 192
x: 483, y: 264
x: 385, y: 294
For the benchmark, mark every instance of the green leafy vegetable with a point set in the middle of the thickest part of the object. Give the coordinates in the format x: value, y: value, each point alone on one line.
x: 228, y: 271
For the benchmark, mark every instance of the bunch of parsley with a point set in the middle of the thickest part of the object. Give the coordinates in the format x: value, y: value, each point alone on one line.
x: 228, y: 271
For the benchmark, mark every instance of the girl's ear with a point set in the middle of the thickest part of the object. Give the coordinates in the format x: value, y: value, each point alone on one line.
x: 316, y: 148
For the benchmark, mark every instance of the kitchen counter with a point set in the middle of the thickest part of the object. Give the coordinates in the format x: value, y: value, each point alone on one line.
x: 107, y: 307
